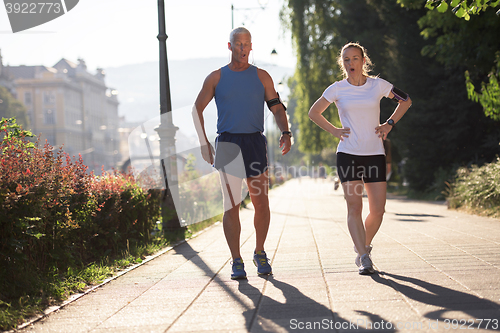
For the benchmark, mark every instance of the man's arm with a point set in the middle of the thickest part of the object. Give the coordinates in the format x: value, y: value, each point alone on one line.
x: 205, y: 95
x: 278, y: 110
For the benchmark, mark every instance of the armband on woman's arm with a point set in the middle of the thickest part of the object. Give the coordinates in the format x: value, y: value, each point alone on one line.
x: 399, y: 95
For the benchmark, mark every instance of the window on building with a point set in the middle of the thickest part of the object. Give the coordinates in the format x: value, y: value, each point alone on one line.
x: 49, y: 117
x: 27, y: 98
x: 30, y: 116
x: 49, y: 98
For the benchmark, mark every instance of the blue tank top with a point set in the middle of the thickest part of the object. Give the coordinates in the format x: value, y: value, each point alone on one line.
x: 239, y: 97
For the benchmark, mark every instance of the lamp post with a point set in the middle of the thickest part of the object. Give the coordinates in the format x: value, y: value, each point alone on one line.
x: 271, y: 127
x: 166, y: 131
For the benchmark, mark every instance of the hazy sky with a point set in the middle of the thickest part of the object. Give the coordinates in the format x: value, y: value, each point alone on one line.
x: 111, y: 33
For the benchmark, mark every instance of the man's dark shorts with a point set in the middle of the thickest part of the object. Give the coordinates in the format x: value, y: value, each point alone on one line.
x: 369, y: 169
x: 242, y: 155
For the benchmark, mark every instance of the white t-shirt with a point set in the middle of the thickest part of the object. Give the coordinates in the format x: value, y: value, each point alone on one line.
x: 359, y: 109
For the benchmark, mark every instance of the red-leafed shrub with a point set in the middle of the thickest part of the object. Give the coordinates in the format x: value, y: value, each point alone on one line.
x: 54, y: 214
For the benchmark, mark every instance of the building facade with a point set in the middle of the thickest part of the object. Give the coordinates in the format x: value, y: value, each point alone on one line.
x: 72, y: 108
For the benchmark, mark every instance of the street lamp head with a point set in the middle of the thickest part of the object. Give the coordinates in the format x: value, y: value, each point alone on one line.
x: 263, y: 3
x: 274, y: 57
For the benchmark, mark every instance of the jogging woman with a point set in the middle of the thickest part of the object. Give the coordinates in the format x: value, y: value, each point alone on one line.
x: 360, y: 153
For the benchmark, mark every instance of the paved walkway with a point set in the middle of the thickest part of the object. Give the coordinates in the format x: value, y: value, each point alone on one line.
x: 438, y: 270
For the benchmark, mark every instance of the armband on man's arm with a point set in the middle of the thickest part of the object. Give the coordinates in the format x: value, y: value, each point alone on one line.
x: 275, y: 101
x: 399, y: 95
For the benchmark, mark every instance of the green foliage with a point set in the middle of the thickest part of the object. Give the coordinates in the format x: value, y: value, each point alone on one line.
x: 489, y: 97
x: 14, y: 136
x: 471, y: 44
x: 476, y: 189
x: 475, y: 40
x: 462, y: 8
x: 462, y: 46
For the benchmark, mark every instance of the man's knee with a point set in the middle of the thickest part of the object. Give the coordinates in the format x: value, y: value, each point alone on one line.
x: 230, y: 205
x: 258, y: 187
x: 232, y: 212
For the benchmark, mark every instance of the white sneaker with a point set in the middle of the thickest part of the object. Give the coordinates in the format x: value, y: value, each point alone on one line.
x: 366, y: 265
x: 357, y: 261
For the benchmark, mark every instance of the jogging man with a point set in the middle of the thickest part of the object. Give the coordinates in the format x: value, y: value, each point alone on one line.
x: 240, y: 90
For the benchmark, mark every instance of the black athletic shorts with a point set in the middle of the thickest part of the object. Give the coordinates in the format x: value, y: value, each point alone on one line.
x: 242, y: 155
x: 369, y: 169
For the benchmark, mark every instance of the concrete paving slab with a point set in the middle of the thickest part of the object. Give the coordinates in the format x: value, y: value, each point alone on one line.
x: 141, y: 329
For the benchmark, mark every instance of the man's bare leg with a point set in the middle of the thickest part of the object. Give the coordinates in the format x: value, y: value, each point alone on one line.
x: 231, y: 188
x: 258, y: 188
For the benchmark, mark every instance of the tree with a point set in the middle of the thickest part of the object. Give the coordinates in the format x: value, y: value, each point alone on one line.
x: 312, y: 26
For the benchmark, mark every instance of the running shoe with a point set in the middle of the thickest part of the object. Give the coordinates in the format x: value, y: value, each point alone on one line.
x: 357, y: 261
x: 260, y: 260
x: 366, y: 267
x: 238, y: 269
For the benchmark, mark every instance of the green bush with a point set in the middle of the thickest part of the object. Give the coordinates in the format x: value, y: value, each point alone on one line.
x: 477, y: 189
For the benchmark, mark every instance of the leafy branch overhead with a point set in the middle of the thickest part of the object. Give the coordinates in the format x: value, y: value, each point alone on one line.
x: 478, y: 47
x: 489, y: 97
x: 461, y: 8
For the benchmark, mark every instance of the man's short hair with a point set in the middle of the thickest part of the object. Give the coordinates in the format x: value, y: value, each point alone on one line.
x: 240, y: 30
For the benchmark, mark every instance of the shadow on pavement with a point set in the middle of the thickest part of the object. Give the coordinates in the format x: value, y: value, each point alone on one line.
x: 445, y: 298
x: 416, y: 217
x: 376, y: 319
x: 297, y: 313
x: 191, y: 254
x: 419, y: 215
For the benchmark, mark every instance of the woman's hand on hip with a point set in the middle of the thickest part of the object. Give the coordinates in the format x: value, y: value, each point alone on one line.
x: 383, y: 130
x: 342, y: 133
